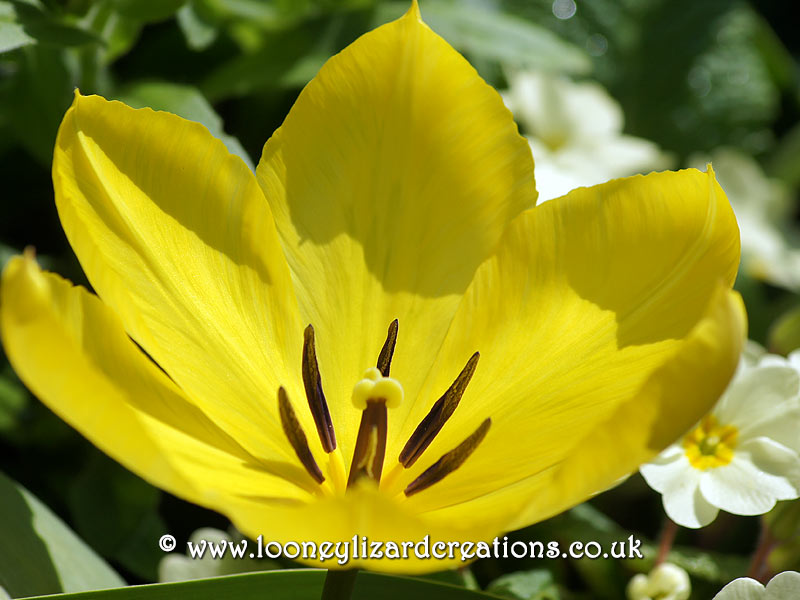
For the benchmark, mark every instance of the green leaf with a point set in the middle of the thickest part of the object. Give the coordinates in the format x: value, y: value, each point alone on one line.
x: 285, y: 59
x: 278, y: 14
x: 526, y: 585
x: 45, y: 26
x: 268, y: 68
x: 784, y: 335
x: 699, y: 66
x: 117, y: 513
x: 784, y: 520
x: 584, y: 522
x: 6, y: 252
x: 785, y: 161
x: 462, y: 577
x: 256, y: 11
x: 118, y: 32
x: 197, y: 26
x: 13, y: 397
x: 39, y: 554
x: 785, y: 556
x: 493, y: 35
x: 690, y: 75
x: 37, y: 97
x: 185, y: 101
x: 148, y: 10
x: 12, y: 34
x: 302, y: 584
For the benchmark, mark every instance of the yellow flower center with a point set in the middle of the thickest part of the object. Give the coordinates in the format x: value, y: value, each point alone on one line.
x: 710, y: 445
x: 373, y: 395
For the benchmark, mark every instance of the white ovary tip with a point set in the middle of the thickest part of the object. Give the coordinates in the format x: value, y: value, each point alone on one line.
x: 375, y: 386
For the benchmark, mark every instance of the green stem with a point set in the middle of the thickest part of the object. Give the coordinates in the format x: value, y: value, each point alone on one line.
x: 339, y: 584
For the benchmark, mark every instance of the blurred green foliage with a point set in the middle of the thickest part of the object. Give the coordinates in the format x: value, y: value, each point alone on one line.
x: 39, y: 554
x: 690, y: 76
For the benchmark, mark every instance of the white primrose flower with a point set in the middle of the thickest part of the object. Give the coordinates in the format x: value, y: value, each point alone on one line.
x: 743, y: 456
x: 575, y: 132
x: 665, y: 582
x: 784, y: 586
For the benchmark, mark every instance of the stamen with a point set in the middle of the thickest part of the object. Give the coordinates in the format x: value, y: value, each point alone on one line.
x: 370, y: 443
x: 442, y: 410
x: 448, y: 462
x: 316, y: 398
x: 373, y: 395
x: 385, y: 357
x: 297, y: 437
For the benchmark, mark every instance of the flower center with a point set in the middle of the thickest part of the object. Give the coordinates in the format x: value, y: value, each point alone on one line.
x: 373, y: 395
x: 710, y: 445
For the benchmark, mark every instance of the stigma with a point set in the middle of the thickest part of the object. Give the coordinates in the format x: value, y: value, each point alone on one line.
x: 374, y: 387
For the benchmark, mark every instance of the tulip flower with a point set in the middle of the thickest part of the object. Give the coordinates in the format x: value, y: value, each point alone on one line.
x: 378, y: 334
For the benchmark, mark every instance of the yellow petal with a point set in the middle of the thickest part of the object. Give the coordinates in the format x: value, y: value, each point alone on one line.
x: 175, y: 236
x: 392, y: 178
x: 606, y: 328
x: 365, y: 513
x: 73, y: 353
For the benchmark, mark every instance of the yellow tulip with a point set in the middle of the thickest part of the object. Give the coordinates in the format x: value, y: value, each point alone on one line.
x: 238, y: 343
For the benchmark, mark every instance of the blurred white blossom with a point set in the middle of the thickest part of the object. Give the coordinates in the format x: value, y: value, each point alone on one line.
x: 665, y: 582
x: 770, y: 245
x: 180, y: 567
x: 575, y: 132
x: 744, y: 455
x: 784, y: 586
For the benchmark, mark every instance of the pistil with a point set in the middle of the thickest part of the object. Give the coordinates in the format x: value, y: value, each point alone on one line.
x: 370, y: 443
x: 373, y: 394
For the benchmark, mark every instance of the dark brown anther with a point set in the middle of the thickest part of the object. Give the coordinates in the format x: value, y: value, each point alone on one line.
x: 385, y: 357
x: 449, y: 462
x: 316, y: 398
x: 442, y: 410
x: 370, y: 443
x: 297, y: 437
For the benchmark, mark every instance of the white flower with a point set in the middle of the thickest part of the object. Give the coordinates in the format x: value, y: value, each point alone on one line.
x: 784, y: 586
x: 744, y: 455
x: 575, y: 132
x: 665, y: 582
x: 180, y: 567
x: 770, y: 248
